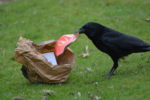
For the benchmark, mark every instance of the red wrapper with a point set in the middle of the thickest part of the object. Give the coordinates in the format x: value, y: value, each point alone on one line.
x: 63, y: 42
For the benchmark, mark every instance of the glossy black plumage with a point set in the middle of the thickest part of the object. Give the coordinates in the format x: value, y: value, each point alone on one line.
x: 113, y: 43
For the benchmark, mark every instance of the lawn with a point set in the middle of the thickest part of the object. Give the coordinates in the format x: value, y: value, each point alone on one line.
x: 41, y: 20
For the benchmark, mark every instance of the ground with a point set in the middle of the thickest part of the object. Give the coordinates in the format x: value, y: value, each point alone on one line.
x: 4, y: 1
x: 41, y: 20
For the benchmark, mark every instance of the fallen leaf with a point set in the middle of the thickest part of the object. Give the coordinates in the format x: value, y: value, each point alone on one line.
x: 95, y: 83
x: 44, y: 98
x: 17, y: 98
x: 88, y: 69
x: 48, y: 92
x: 147, y: 19
x: 94, y: 97
x: 85, y: 53
x: 77, y: 95
x: 111, y: 87
x: 80, y: 72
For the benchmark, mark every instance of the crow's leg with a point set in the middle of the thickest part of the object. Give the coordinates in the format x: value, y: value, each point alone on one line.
x: 114, y: 67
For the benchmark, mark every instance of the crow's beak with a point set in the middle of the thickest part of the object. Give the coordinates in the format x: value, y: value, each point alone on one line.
x: 81, y: 30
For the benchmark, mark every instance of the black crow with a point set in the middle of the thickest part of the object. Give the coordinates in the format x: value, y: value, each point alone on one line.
x: 117, y: 45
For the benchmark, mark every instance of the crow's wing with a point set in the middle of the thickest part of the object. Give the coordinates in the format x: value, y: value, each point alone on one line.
x: 121, y: 41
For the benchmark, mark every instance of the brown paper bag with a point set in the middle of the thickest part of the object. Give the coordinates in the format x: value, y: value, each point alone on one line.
x: 36, y: 66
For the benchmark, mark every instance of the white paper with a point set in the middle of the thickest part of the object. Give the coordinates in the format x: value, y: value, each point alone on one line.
x: 50, y: 56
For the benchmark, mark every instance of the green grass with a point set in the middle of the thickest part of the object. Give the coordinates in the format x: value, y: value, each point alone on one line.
x: 41, y: 20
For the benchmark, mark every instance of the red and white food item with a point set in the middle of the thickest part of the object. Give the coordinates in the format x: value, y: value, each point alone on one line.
x: 63, y: 42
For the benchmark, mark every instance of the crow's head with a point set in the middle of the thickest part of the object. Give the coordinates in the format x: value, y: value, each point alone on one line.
x: 90, y: 29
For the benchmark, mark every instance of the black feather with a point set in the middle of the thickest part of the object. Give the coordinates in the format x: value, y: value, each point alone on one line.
x: 113, y: 43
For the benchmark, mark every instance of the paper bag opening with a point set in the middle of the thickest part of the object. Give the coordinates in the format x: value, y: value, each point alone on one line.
x: 37, y: 68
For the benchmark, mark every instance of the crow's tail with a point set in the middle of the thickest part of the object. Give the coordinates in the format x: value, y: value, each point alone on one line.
x: 146, y: 49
